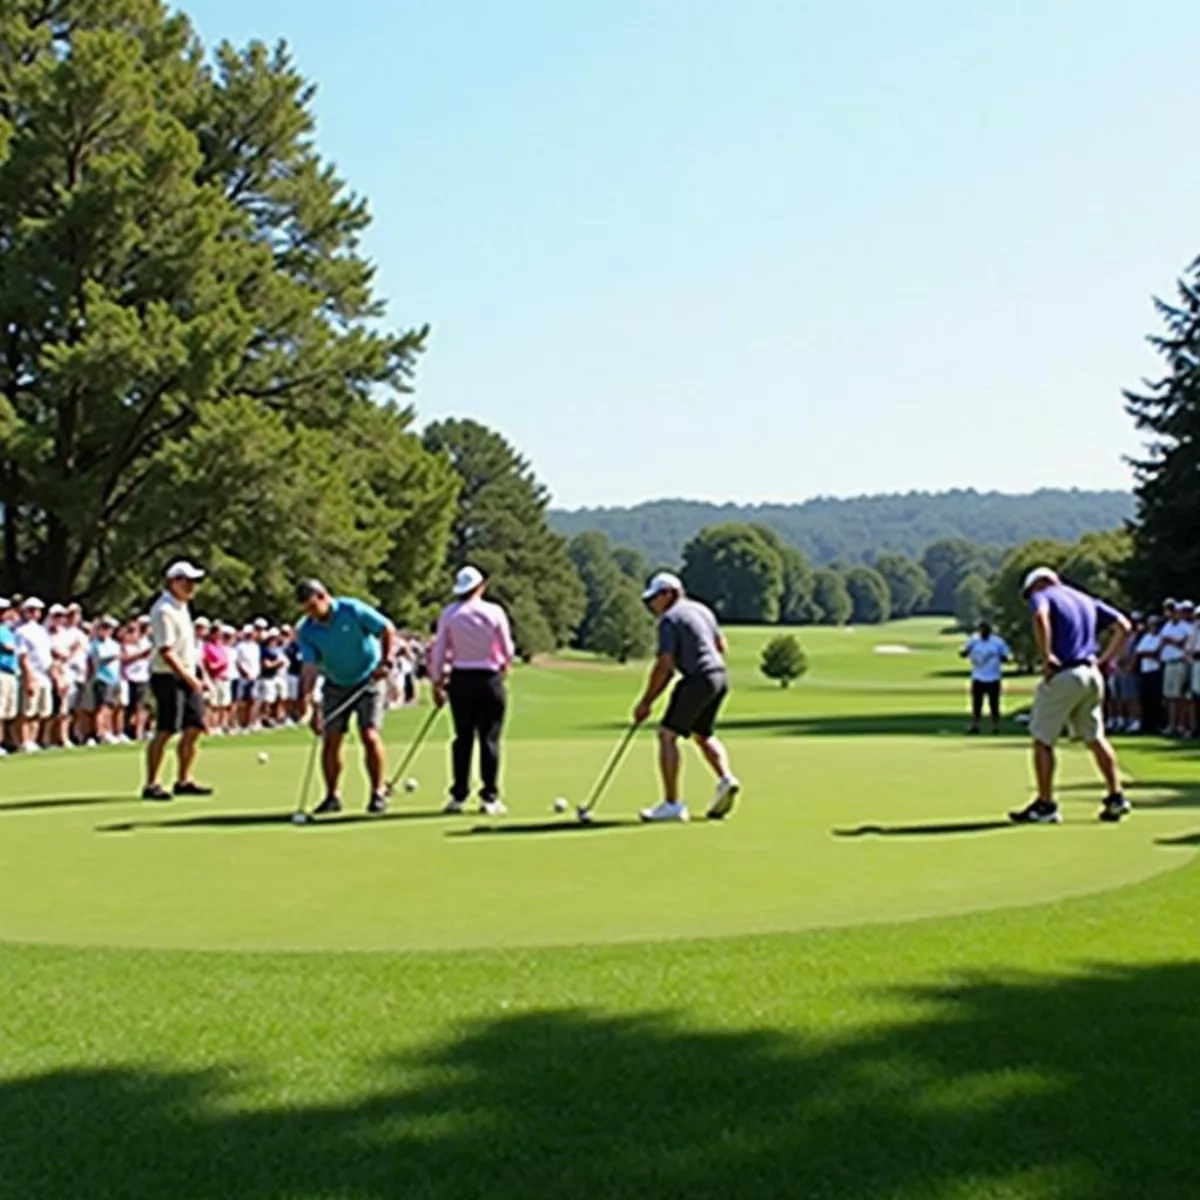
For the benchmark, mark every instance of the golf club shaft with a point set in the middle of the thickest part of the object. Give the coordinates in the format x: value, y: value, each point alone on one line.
x: 417, y: 742
x: 306, y: 786
x: 611, y: 769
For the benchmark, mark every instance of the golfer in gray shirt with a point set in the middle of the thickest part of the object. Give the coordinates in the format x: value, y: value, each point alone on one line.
x: 690, y: 642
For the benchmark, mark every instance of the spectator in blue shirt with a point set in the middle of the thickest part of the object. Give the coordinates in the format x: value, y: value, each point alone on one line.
x: 104, y: 679
x: 9, y: 689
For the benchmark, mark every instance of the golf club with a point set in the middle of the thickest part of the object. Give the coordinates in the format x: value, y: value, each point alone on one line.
x: 584, y: 812
x: 302, y: 816
x: 417, y: 742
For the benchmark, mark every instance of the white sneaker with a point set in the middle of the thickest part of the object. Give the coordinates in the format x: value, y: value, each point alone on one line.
x: 1134, y: 727
x: 668, y: 810
x: 31, y: 748
x: 455, y: 807
x: 493, y: 808
x: 725, y: 798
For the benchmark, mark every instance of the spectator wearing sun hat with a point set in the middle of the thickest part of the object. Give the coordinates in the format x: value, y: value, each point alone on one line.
x: 175, y: 684
x: 104, y: 680
x: 1174, y: 635
x: 36, y: 657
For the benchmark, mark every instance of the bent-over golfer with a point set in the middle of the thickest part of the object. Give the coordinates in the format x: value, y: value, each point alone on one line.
x: 690, y: 642
x: 175, y: 684
x: 1071, y: 694
x: 471, y: 656
x: 349, y: 644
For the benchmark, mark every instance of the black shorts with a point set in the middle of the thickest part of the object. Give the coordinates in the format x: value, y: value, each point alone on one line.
x: 105, y: 695
x: 694, y: 705
x: 137, y: 694
x: 177, y: 706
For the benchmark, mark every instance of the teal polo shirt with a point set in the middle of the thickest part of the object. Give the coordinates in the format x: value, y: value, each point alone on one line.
x: 345, y: 646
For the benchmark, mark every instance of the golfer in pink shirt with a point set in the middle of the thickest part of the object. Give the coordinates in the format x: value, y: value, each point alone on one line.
x: 471, y: 657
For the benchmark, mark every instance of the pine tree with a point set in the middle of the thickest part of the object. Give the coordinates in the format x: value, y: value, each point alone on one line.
x: 1166, y: 530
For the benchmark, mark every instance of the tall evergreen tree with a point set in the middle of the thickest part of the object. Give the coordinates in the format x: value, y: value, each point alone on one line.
x: 501, y: 528
x: 1166, y: 530
x: 187, y: 324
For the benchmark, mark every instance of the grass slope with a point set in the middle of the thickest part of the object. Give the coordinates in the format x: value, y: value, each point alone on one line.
x: 1024, y: 1053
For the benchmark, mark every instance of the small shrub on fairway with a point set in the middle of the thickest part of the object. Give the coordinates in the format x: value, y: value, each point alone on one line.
x: 783, y: 658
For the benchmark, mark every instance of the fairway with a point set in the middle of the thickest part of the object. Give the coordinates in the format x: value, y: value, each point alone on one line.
x: 622, y: 1010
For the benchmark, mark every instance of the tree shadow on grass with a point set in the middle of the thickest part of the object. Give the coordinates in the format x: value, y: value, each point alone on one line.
x: 899, y: 724
x: 261, y: 820
x: 65, y: 802
x: 1083, y: 1087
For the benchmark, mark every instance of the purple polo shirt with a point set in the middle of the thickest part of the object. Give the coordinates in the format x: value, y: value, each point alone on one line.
x: 1075, y: 619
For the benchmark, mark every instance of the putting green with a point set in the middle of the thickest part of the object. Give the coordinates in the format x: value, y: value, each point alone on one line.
x: 833, y: 830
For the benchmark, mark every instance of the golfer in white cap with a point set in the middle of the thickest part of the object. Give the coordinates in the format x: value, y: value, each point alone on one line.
x: 471, y: 656
x: 175, y: 684
x: 1071, y: 694
x: 690, y: 642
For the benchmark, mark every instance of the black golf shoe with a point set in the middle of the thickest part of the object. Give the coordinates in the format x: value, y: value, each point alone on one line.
x: 192, y: 788
x: 377, y: 805
x: 1115, y: 807
x: 1040, y: 812
x: 155, y: 791
x: 330, y: 805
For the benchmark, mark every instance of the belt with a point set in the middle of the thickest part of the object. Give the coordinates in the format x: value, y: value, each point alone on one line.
x: 1078, y: 662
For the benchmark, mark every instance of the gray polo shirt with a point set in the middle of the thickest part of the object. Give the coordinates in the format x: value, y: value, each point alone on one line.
x: 688, y: 631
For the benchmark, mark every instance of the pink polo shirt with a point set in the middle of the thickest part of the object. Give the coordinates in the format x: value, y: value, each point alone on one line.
x: 472, y: 635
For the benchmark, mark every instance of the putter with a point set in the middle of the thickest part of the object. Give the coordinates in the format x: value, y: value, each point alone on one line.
x: 417, y: 742
x: 584, y: 812
x: 302, y: 816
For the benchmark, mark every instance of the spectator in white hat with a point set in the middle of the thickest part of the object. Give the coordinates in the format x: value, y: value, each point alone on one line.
x: 104, y: 681
x: 1174, y: 635
x: 78, y: 643
x: 36, y: 659
x: 136, y: 652
x: 248, y: 661
x: 62, y: 680
x: 175, y: 684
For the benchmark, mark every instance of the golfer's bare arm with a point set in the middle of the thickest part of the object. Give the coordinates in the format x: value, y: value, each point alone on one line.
x: 1042, y: 637
x: 660, y: 676
x: 387, y: 650
x: 178, y: 669
x: 1118, y: 635
x: 308, y: 681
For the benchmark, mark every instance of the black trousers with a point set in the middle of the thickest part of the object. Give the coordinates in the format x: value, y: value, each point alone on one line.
x: 1150, y: 692
x: 478, y: 701
x: 990, y: 692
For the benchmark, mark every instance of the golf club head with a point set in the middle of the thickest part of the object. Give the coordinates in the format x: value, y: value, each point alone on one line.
x: 584, y: 816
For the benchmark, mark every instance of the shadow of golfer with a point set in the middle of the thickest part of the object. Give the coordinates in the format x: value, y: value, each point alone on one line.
x: 266, y: 820
x: 937, y: 830
x: 63, y: 802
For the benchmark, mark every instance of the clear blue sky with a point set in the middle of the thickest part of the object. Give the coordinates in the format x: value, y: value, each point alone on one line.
x: 767, y: 250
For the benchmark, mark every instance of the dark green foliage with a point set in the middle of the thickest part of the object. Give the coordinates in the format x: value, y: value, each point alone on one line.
x: 947, y: 563
x: 624, y: 628
x: 783, y: 659
x: 501, y: 528
x: 632, y: 564
x: 192, y: 350
x: 869, y: 596
x: 859, y: 529
x: 972, y: 601
x: 831, y: 603
x: 592, y: 555
x: 908, y: 583
x: 795, y: 599
x: 1166, y: 558
x: 736, y: 571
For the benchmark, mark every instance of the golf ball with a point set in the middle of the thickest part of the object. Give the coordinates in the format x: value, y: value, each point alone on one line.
x: 299, y: 818
x: 560, y: 805
x: 410, y: 785
x: 262, y: 757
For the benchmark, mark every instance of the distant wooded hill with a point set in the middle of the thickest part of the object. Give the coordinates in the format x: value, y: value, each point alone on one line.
x: 858, y: 529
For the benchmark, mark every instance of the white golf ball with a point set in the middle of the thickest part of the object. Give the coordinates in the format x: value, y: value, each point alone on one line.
x: 299, y: 818
x: 263, y: 757
x: 561, y: 805
x: 410, y: 785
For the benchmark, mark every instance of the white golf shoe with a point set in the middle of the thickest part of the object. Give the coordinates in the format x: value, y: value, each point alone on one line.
x: 725, y: 798
x: 493, y: 808
x: 668, y: 810
x: 455, y: 807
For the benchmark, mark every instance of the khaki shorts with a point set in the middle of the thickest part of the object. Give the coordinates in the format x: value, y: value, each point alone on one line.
x: 1073, y: 698
x: 8, y: 696
x: 1175, y: 680
x: 38, y: 702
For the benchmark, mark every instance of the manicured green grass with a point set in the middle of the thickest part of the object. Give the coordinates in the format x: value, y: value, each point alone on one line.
x: 554, y: 1011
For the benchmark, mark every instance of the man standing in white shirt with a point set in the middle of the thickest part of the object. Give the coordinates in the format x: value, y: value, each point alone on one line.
x: 987, y: 652
x: 1191, y: 653
x: 136, y: 653
x: 1174, y: 637
x: 175, y: 684
x: 62, y: 676
x: 79, y: 704
x: 247, y: 658
x: 36, y: 658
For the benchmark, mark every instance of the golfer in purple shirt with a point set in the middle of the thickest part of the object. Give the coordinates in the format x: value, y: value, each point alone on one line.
x: 1066, y: 622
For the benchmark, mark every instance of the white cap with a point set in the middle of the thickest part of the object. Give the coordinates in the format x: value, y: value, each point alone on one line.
x: 1186, y: 604
x: 184, y: 570
x: 467, y: 580
x: 1036, y: 576
x: 202, y: 621
x: 260, y: 622
x: 1170, y: 602
x: 272, y: 632
x: 32, y: 602
x: 248, y: 629
x: 5, y: 603
x: 664, y: 581
x: 57, y: 610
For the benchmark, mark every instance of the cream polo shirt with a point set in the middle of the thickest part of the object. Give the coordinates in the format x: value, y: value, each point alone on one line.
x: 171, y: 629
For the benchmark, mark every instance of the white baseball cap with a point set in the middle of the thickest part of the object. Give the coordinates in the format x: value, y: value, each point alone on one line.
x: 260, y: 622
x: 32, y: 602
x: 1036, y: 576
x: 57, y: 610
x: 202, y: 622
x: 467, y: 580
x: 184, y: 570
x: 664, y: 581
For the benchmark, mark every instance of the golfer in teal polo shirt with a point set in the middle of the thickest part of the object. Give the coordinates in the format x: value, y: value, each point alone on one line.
x: 349, y: 644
